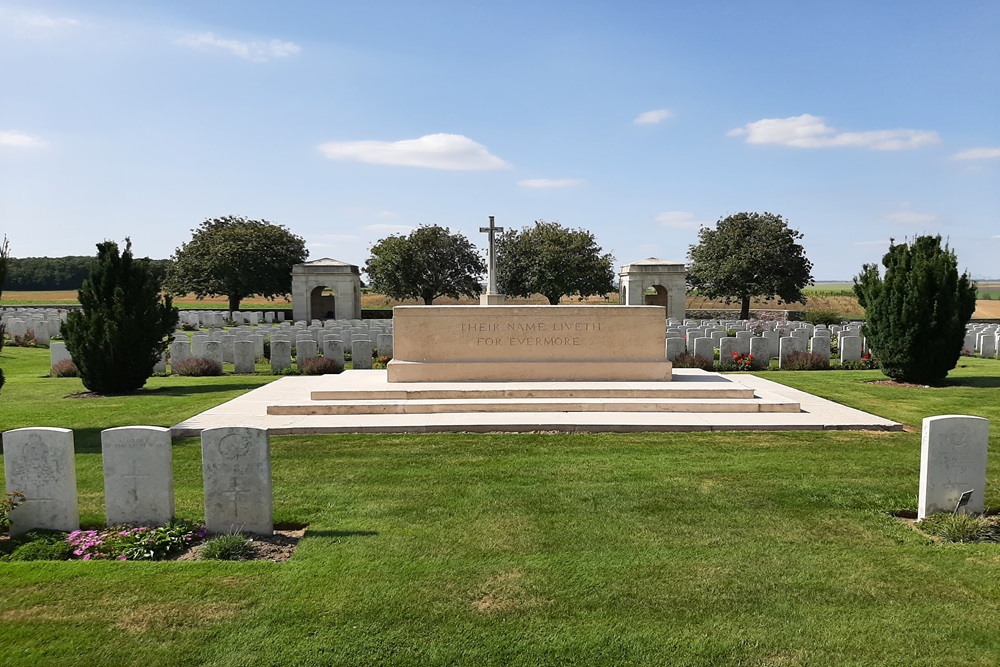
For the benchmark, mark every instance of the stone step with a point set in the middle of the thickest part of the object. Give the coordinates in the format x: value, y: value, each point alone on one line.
x: 542, y: 390
x: 602, y: 404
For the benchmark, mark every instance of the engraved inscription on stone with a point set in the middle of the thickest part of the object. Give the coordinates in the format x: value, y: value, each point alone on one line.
x: 138, y: 475
x: 236, y: 465
x: 40, y: 463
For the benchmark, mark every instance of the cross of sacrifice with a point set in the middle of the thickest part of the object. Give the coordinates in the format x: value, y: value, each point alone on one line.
x: 491, y: 279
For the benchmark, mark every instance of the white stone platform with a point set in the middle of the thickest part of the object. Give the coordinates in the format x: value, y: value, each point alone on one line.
x: 363, y: 401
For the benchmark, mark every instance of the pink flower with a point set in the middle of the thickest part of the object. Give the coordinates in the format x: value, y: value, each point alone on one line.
x: 87, y: 557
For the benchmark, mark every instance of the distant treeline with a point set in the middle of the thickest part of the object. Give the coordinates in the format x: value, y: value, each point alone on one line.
x: 57, y: 273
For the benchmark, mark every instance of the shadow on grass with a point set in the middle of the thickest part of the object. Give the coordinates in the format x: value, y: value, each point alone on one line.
x: 981, y: 382
x: 341, y: 533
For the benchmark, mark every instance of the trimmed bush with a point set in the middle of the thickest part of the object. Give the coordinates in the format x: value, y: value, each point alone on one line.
x: 688, y: 360
x: 197, y: 367
x: 916, y: 314
x: 805, y: 361
x: 65, y: 369
x: 320, y: 366
x: 823, y: 316
x: 118, y: 335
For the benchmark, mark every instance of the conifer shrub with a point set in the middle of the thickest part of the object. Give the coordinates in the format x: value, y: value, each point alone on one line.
x: 915, y: 314
x: 118, y: 335
x: 197, y: 367
x: 320, y: 366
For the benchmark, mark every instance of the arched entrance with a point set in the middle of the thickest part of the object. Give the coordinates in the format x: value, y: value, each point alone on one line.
x: 655, y: 282
x: 657, y: 295
x: 326, y: 289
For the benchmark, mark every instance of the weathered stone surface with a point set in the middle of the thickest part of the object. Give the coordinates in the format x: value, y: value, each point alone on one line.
x: 820, y: 345
x: 676, y: 346
x: 213, y: 351
x: 850, y: 348
x: 361, y: 354
x: 704, y: 347
x: 511, y: 343
x: 760, y: 349
x: 952, y: 461
x: 236, y: 466
x: 281, y: 355
x: 789, y: 345
x: 138, y: 475
x: 243, y: 357
x: 333, y: 348
x: 40, y: 463
x: 57, y: 353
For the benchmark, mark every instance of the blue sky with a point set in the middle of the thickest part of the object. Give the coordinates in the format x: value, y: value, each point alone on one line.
x: 639, y: 121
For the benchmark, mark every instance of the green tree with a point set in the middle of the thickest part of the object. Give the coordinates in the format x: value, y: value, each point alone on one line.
x: 749, y: 255
x: 236, y: 258
x: 428, y: 263
x: 121, y: 330
x: 553, y: 261
x: 915, y: 315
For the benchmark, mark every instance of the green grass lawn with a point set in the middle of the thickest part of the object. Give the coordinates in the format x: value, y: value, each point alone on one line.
x: 532, y: 549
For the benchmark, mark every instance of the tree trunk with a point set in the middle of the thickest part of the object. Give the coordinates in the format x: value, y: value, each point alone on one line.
x: 745, y: 308
x: 234, y: 302
x: 553, y: 299
x: 428, y: 298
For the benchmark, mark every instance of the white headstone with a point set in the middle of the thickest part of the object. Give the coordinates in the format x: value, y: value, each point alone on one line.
x: 40, y: 463
x: 850, y: 348
x: 213, y: 351
x: 704, y: 347
x: 57, y: 353
x: 361, y: 354
x: 138, y: 475
x: 281, y: 355
x: 236, y: 465
x: 244, y: 359
x: 952, y: 461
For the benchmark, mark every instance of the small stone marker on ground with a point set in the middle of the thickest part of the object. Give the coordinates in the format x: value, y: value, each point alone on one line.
x: 138, y: 475
x: 40, y: 463
x: 236, y: 466
x: 952, y: 461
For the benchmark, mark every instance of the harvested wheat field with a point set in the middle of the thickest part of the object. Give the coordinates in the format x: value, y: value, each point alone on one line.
x: 846, y: 306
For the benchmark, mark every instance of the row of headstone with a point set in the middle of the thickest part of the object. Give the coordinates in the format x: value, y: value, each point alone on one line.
x: 983, y: 339
x: 764, y: 341
x: 243, y: 346
x: 138, y: 478
x: 42, y: 324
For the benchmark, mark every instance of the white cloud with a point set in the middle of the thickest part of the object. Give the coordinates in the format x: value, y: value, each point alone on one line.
x: 550, y: 182
x: 653, y: 117
x: 433, y: 151
x: 256, y: 51
x: 977, y: 154
x: 35, y: 21
x: 678, y: 220
x: 808, y: 131
x: 19, y: 140
x: 388, y: 229
x: 908, y: 217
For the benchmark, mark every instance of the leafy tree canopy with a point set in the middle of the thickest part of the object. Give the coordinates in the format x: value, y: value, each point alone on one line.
x: 749, y: 255
x: 428, y: 263
x: 121, y: 330
x: 553, y: 261
x: 915, y: 315
x: 236, y: 257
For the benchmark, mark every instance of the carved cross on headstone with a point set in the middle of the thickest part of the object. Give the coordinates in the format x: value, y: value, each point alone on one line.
x: 235, y: 492
x: 491, y: 280
x: 134, y: 479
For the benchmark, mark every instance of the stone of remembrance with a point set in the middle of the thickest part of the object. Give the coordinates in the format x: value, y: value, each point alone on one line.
x: 529, y: 343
